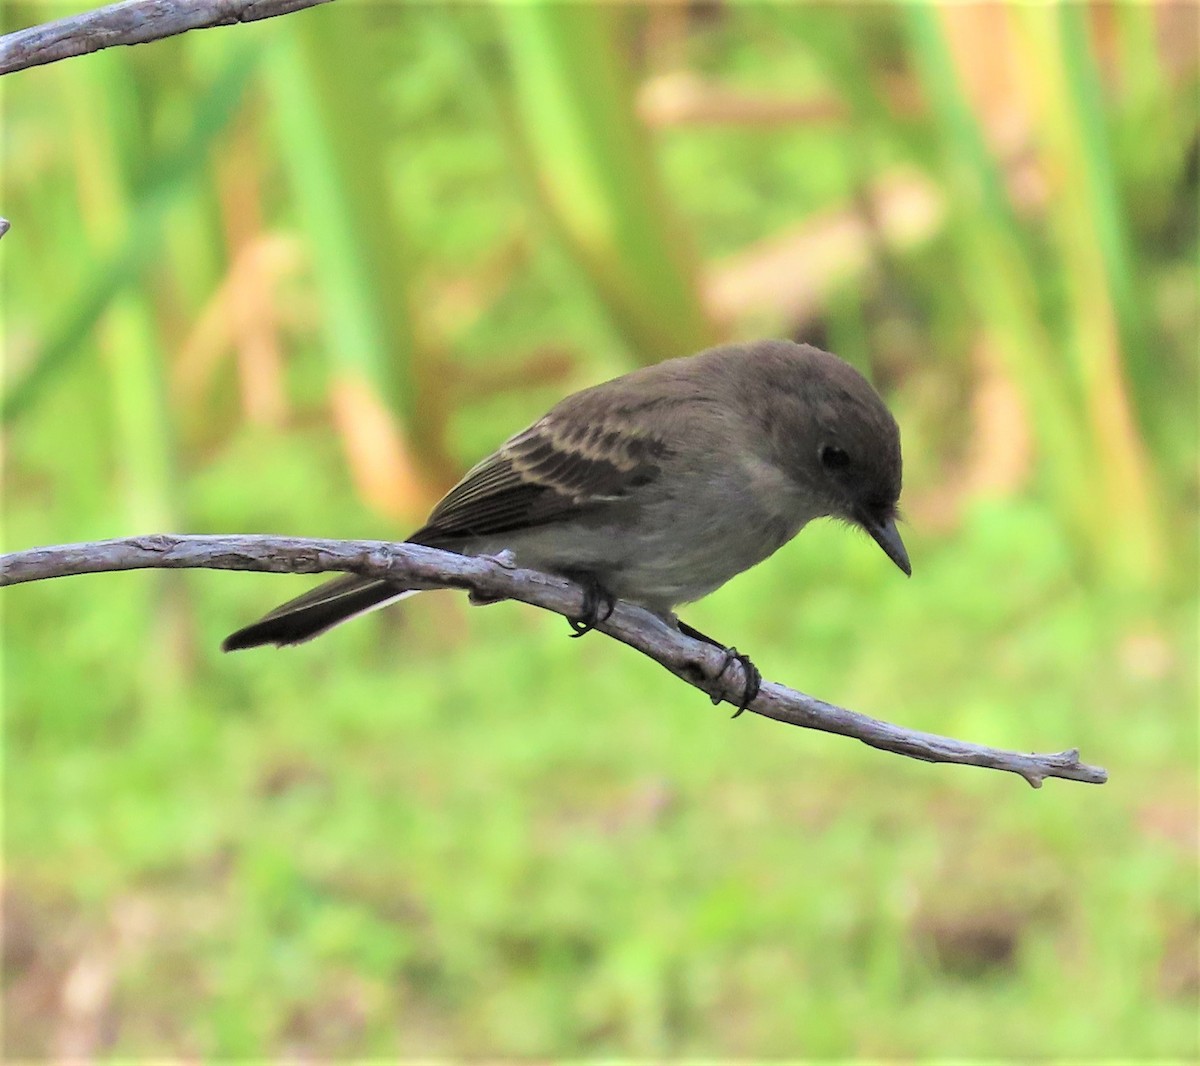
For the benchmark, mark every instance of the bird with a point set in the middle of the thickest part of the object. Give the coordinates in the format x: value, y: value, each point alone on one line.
x: 659, y: 486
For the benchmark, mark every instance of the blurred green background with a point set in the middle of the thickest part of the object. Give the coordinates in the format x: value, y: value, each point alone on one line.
x: 296, y: 276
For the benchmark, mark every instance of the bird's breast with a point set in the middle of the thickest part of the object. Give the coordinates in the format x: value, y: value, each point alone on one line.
x: 661, y: 549
x: 691, y: 542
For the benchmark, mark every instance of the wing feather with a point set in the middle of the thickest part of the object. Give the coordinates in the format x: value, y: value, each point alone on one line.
x: 554, y: 468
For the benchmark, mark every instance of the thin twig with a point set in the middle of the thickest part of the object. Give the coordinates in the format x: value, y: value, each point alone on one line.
x: 131, y: 22
x: 413, y: 566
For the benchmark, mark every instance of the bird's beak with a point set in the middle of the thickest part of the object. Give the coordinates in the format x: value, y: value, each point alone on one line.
x: 888, y: 538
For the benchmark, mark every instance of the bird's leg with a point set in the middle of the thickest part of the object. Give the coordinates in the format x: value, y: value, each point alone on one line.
x: 732, y: 655
x: 598, y: 604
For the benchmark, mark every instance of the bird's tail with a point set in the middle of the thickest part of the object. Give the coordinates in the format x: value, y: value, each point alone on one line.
x: 316, y: 611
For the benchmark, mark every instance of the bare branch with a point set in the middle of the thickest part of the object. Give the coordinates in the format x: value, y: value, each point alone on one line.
x: 131, y: 22
x: 692, y: 661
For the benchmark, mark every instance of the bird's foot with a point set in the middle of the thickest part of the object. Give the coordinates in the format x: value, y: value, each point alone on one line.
x: 751, y: 673
x: 598, y: 605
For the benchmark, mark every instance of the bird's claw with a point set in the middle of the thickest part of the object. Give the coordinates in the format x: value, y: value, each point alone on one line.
x: 595, y: 600
x: 752, y: 674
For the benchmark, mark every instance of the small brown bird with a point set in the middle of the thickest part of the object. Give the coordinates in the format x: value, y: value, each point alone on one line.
x: 659, y: 486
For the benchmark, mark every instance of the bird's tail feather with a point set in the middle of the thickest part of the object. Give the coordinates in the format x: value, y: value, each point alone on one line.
x: 316, y: 611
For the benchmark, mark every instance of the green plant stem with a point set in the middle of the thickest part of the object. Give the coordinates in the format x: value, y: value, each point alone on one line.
x: 596, y: 174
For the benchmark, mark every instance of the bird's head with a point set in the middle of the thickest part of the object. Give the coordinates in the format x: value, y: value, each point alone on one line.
x: 842, y: 445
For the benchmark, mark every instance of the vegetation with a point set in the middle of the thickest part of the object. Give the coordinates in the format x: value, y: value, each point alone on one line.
x: 295, y: 276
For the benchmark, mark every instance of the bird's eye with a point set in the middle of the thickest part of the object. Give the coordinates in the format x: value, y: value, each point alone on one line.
x: 834, y: 458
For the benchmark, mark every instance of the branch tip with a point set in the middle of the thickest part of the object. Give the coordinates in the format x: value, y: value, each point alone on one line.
x: 130, y: 22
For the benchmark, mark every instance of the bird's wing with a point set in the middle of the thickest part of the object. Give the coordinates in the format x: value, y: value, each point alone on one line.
x: 555, y: 468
